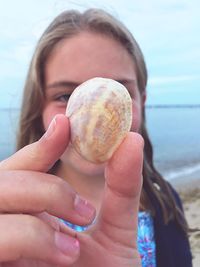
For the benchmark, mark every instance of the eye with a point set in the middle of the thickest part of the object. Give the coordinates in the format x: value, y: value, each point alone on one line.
x: 63, y: 98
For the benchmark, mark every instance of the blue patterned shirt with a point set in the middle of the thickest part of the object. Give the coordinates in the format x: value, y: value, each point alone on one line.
x: 145, y: 240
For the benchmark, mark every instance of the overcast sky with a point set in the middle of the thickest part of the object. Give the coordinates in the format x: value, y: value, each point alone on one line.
x: 167, y: 31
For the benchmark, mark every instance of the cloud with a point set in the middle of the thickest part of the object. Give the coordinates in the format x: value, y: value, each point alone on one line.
x: 158, y: 24
x: 162, y: 80
x: 15, y: 61
x: 167, y: 32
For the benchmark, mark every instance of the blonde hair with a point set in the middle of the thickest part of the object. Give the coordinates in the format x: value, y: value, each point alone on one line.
x: 66, y: 25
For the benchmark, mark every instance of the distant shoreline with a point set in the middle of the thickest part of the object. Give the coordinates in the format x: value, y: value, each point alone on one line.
x: 187, y: 183
x: 173, y: 106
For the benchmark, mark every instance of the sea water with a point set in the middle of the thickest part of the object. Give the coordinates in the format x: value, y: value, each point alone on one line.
x: 174, y: 132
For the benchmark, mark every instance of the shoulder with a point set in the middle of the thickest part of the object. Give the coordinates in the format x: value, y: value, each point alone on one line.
x: 173, y: 248
x: 176, y: 196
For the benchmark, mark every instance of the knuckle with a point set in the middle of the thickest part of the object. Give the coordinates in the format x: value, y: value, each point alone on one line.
x: 32, y: 225
x: 56, y: 187
x: 60, y: 189
x: 37, y: 156
x: 3, y: 164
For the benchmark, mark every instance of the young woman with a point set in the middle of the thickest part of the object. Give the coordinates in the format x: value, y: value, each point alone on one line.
x: 74, y: 48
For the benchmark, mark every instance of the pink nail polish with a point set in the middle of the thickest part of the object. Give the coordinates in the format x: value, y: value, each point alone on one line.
x: 84, y: 208
x: 67, y: 244
x: 51, y: 128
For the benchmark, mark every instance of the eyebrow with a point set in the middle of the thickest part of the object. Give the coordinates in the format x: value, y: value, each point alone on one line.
x: 59, y: 84
x: 62, y: 84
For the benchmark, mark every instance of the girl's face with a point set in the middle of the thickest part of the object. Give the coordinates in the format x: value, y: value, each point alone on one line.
x: 76, y: 60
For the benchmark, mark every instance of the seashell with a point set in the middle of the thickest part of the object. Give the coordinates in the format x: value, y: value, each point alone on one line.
x: 100, y: 114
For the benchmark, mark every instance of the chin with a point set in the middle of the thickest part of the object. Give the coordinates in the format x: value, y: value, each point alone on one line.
x: 80, y: 165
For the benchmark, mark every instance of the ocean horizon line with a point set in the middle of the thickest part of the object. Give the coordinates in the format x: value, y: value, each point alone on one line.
x: 148, y: 106
x: 172, y: 105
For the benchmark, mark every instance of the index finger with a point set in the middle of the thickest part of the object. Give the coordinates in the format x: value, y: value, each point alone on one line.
x: 41, y: 155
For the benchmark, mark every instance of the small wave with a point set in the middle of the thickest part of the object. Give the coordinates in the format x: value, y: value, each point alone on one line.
x: 189, y: 170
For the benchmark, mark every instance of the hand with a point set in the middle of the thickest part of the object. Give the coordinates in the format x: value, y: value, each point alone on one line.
x: 112, y: 240
x: 30, y: 198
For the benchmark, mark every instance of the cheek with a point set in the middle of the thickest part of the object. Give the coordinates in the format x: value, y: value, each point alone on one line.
x: 136, y: 120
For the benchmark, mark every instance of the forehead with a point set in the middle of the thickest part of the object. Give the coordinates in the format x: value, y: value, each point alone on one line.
x: 89, y: 55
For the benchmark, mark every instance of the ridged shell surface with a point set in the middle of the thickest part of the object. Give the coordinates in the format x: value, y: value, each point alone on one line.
x: 100, y: 114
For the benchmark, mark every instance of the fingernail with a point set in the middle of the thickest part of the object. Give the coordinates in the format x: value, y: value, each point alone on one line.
x: 51, y: 128
x: 66, y: 244
x: 84, y: 208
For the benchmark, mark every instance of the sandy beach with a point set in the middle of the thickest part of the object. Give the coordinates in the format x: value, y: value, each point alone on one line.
x: 190, y: 194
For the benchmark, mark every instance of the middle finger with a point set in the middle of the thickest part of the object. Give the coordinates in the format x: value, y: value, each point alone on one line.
x: 34, y: 192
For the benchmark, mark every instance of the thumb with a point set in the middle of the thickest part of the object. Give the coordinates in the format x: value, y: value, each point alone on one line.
x: 124, y: 170
x: 41, y: 155
x: 123, y: 175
